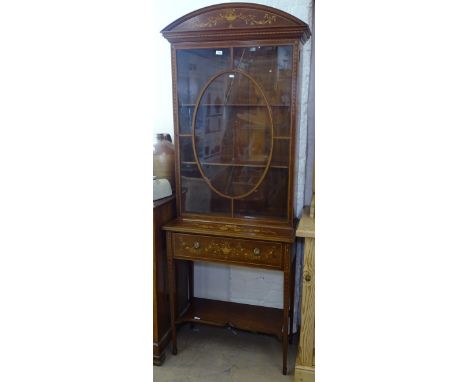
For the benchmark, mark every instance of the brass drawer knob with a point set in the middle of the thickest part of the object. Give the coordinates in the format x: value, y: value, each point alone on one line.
x: 307, y: 277
x: 257, y: 252
x: 196, y: 245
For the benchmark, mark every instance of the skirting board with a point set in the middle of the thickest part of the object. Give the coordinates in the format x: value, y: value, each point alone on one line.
x: 304, y: 374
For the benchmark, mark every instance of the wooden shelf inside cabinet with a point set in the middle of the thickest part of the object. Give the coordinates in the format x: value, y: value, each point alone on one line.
x: 234, y: 165
x: 235, y: 105
x: 276, y: 137
x: 241, y: 316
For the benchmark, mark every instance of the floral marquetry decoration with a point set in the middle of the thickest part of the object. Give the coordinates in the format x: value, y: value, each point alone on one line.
x: 232, y: 15
x: 236, y: 21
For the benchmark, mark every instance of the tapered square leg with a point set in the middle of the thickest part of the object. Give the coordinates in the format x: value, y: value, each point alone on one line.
x: 286, y: 306
x: 159, y: 359
x: 172, y: 289
x: 291, y: 300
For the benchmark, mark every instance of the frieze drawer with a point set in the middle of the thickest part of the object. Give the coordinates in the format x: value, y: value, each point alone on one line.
x: 237, y: 251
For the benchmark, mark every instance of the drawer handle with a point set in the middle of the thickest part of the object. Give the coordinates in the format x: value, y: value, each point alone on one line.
x: 196, y: 245
x: 307, y: 277
x: 256, y: 251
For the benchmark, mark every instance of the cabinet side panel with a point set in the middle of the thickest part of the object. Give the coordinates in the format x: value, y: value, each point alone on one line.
x: 176, y: 127
x: 161, y: 319
x: 295, y: 118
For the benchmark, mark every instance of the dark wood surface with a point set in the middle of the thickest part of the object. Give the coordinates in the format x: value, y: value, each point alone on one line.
x: 253, y: 253
x: 161, y: 202
x: 234, y: 192
x: 163, y: 211
x: 246, y: 230
x: 242, y: 316
x: 236, y: 21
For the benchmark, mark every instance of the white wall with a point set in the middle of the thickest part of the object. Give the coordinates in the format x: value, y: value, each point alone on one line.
x: 232, y: 283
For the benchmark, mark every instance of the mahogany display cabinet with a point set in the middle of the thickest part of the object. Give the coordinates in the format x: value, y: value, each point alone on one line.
x: 235, y: 88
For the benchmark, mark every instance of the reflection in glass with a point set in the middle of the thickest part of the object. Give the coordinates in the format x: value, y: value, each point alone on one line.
x: 233, y: 127
x: 271, y: 66
x: 270, y: 200
x: 281, y: 120
x: 197, y: 197
x: 280, y: 153
x: 238, y: 127
x: 233, y: 180
x: 185, y: 119
x: 194, y: 69
x: 186, y: 150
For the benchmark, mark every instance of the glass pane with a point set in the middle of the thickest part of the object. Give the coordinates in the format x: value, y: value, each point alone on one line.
x: 186, y: 149
x: 233, y: 180
x: 232, y: 133
x: 237, y: 135
x: 280, y: 152
x: 197, y: 197
x: 252, y: 136
x: 271, y: 66
x: 185, y: 119
x: 195, y: 67
x: 214, y: 138
x: 270, y: 200
x: 281, y: 121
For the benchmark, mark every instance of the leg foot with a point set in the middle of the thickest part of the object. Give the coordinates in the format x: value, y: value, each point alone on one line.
x: 159, y: 359
x: 285, y: 370
x: 291, y: 300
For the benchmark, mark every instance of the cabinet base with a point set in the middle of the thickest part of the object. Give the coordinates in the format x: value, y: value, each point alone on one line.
x: 159, y: 354
x: 158, y: 360
x: 304, y: 374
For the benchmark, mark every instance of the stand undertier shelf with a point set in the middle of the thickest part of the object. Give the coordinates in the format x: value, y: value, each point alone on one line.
x: 241, y: 316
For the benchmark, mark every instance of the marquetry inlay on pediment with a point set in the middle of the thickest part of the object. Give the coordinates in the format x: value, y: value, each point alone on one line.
x: 232, y: 17
x: 236, y: 20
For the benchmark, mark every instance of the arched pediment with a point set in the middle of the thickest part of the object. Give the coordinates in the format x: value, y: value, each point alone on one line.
x: 241, y: 21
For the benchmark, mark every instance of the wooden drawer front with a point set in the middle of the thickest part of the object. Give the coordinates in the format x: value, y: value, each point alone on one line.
x: 237, y: 251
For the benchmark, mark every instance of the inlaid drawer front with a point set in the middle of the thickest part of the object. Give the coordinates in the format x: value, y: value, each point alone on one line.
x: 231, y: 250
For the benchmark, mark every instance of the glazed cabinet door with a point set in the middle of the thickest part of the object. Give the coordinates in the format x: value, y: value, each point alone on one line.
x: 234, y: 130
